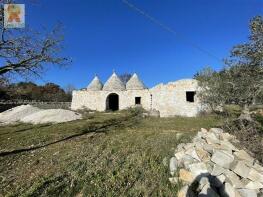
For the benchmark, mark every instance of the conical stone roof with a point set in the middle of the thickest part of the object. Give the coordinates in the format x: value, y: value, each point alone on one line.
x: 114, y: 83
x: 95, y: 84
x: 135, y: 83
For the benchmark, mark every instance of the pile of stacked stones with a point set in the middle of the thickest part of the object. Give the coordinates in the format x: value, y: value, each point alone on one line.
x: 212, y: 166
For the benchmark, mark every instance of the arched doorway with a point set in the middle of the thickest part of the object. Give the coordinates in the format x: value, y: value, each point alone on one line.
x: 112, y: 102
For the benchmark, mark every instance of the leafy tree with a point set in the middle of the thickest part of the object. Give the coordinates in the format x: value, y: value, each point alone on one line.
x: 31, y: 91
x: 26, y: 52
x: 241, y: 81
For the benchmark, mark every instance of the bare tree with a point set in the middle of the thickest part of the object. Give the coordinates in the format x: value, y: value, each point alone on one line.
x: 27, y: 52
x: 125, y: 77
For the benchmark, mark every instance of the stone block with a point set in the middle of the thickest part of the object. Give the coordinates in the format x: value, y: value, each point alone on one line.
x: 254, y: 175
x: 253, y: 185
x: 233, y: 179
x: 187, y: 160
x: 208, y: 147
x: 202, y: 154
x: 217, y: 170
x: 203, y: 130
x: 243, y: 155
x: 226, y: 145
x: 222, y: 158
x: 241, y: 169
x: 198, y: 168
x: 247, y: 192
x: 173, y: 165
x: 179, y: 155
x: 186, y: 176
x: 226, y: 136
x: 191, y: 152
x: 212, y: 139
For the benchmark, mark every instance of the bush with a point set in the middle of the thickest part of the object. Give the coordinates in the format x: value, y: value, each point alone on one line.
x: 249, y: 133
x: 232, y: 110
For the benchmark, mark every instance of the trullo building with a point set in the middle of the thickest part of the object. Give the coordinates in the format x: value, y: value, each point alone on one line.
x: 174, y: 98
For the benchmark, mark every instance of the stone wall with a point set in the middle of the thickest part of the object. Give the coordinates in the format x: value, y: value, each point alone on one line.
x: 213, y: 165
x: 169, y: 99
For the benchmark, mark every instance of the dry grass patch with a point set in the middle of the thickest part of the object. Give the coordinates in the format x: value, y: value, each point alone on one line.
x: 120, y: 155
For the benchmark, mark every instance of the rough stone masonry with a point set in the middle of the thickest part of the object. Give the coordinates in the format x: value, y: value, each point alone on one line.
x: 212, y: 166
x: 174, y: 98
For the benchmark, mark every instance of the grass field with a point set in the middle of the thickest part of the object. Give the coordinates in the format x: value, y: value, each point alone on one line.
x: 116, y: 154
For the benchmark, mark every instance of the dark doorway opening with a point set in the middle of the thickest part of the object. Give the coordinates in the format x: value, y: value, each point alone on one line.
x: 137, y: 100
x: 112, y: 102
x: 190, y: 96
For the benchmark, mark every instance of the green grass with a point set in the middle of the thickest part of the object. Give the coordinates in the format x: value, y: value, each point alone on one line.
x: 102, y: 155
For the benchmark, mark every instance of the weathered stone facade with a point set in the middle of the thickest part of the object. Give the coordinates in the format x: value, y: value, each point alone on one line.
x: 174, y: 98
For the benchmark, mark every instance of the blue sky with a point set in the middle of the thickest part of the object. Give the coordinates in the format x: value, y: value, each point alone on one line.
x: 102, y: 35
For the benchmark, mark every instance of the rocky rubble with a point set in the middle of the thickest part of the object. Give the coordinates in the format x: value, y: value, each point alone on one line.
x: 212, y: 166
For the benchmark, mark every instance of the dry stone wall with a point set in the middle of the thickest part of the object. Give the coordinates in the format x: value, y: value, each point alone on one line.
x: 213, y: 166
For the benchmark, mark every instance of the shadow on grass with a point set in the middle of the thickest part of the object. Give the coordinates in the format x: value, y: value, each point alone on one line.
x: 86, y: 129
x: 27, y: 129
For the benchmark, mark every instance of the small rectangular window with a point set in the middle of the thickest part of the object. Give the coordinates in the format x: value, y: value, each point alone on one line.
x: 137, y: 100
x: 190, y: 96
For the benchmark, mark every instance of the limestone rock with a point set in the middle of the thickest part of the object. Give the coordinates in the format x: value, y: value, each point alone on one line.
x: 255, y: 175
x: 186, y: 176
x: 180, y: 147
x: 173, y: 165
x: 187, y: 160
x: 226, y: 145
x: 208, y: 147
x: 241, y: 169
x: 191, y: 152
x: 203, y: 130
x: 188, y: 146
x: 253, y: 185
x: 218, y: 170
x: 233, y: 179
x: 198, y: 168
x: 212, y: 139
x: 226, y: 136
x: 222, y: 158
x: 179, y: 155
x: 247, y: 192
x: 243, y: 155
x: 202, y: 154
